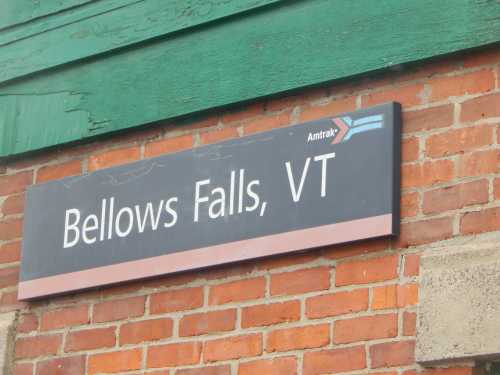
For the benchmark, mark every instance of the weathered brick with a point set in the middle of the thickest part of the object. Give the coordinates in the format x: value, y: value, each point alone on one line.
x: 479, y: 163
x: 334, y: 360
x: 119, y: 309
x: 426, y: 231
x: 367, y: 270
x: 333, y: 108
x: 243, y: 113
x: 235, y: 291
x: 337, y: 303
x: 9, y: 276
x: 233, y: 347
x: 273, y: 313
x: 62, y: 366
x: 168, y: 145
x: 392, y: 354
x: 486, y: 220
x: 13, y: 205
x: 456, y: 141
x: 58, y: 171
x: 428, y: 118
x: 10, y: 252
x: 426, y: 174
x: 496, y: 188
x: 218, y: 135
x: 412, y: 265
x: 408, y: 96
x: 66, y: 317
x: 482, y: 57
x: 202, y: 323
x: 268, y: 122
x: 35, y: 346
x: 171, y: 355
x: 297, y: 338
x: 119, y: 361
x: 392, y: 296
x: 11, y: 229
x: 409, y: 204
x: 409, y: 323
x: 15, y: 183
x: 409, y: 149
x: 479, y: 108
x: 206, y: 370
x: 176, y: 300
x: 22, y: 369
x: 458, y: 85
x: 356, y: 248
x: 365, y: 328
x: 455, y: 197
x: 275, y: 366
x: 27, y: 323
x: 146, y: 330
x: 301, y: 281
x: 449, y: 371
x: 114, y: 157
x: 89, y: 339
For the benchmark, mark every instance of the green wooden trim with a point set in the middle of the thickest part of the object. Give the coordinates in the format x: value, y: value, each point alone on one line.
x: 287, y: 46
x: 103, y: 27
x: 14, y: 12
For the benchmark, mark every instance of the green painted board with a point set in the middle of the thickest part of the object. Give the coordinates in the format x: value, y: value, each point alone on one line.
x: 104, y: 26
x: 282, y: 47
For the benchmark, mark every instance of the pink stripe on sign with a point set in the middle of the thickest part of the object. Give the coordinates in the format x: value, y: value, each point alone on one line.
x: 208, y: 256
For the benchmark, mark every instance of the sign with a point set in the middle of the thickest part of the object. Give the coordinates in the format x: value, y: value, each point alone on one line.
x: 319, y: 183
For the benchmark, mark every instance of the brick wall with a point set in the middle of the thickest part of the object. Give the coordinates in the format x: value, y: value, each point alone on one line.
x: 345, y: 309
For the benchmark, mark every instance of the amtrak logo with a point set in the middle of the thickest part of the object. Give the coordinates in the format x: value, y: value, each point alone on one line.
x: 345, y: 127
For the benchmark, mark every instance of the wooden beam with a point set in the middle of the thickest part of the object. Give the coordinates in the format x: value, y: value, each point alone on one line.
x: 287, y: 46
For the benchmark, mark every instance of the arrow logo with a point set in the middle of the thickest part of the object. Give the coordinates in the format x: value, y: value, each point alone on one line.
x: 347, y: 127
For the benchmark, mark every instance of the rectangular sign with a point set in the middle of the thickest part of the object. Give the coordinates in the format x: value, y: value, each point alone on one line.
x: 328, y: 181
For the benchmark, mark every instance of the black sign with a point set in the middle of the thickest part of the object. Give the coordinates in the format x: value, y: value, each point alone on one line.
x: 323, y: 182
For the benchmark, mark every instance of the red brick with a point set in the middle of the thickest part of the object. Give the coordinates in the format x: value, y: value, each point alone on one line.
x: 206, y: 370
x: 56, y: 172
x: 273, y: 313
x: 409, y: 149
x: 422, y: 232
x: 62, y: 366
x: 449, y: 371
x: 108, y: 311
x: 9, y: 302
x: 393, y: 354
x: 426, y: 174
x: 10, y: 252
x: 13, y: 205
x: 409, y: 204
x: 218, y: 135
x: 486, y: 220
x: 119, y: 361
x: 287, y: 260
x: 146, y: 330
x: 202, y: 323
x: 365, y: 328
x: 176, y: 300
x: 409, y: 323
x: 9, y: 276
x: 456, y: 141
x: 67, y: 317
x: 289, y: 101
x: 455, y: 197
x: 27, y: 323
x: 233, y: 347
x: 267, y: 122
x: 337, y: 304
x: 479, y: 108
x: 171, y: 355
x: 243, y: 113
x: 15, y: 183
x: 35, y: 346
x: 331, y: 109
x: 235, y: 291
x: 22, y: 369
x: 334, y: 361
x: 428, y: 118
x: 367, y: 271
x: 90, y: 339
x: 356, y: 248
x: 412, y: 265
x: 168, y: 145
x: 485, y: 57
x: 392, y: 296
x: 275, y: 366
x: 298, y: 338
x: 11, y: 229
x: 496, y: 188
x: 408, y: 96
x: 301, y: 281
x: 469, y: 83
x: 114, y: 157
x: 479, y: 163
